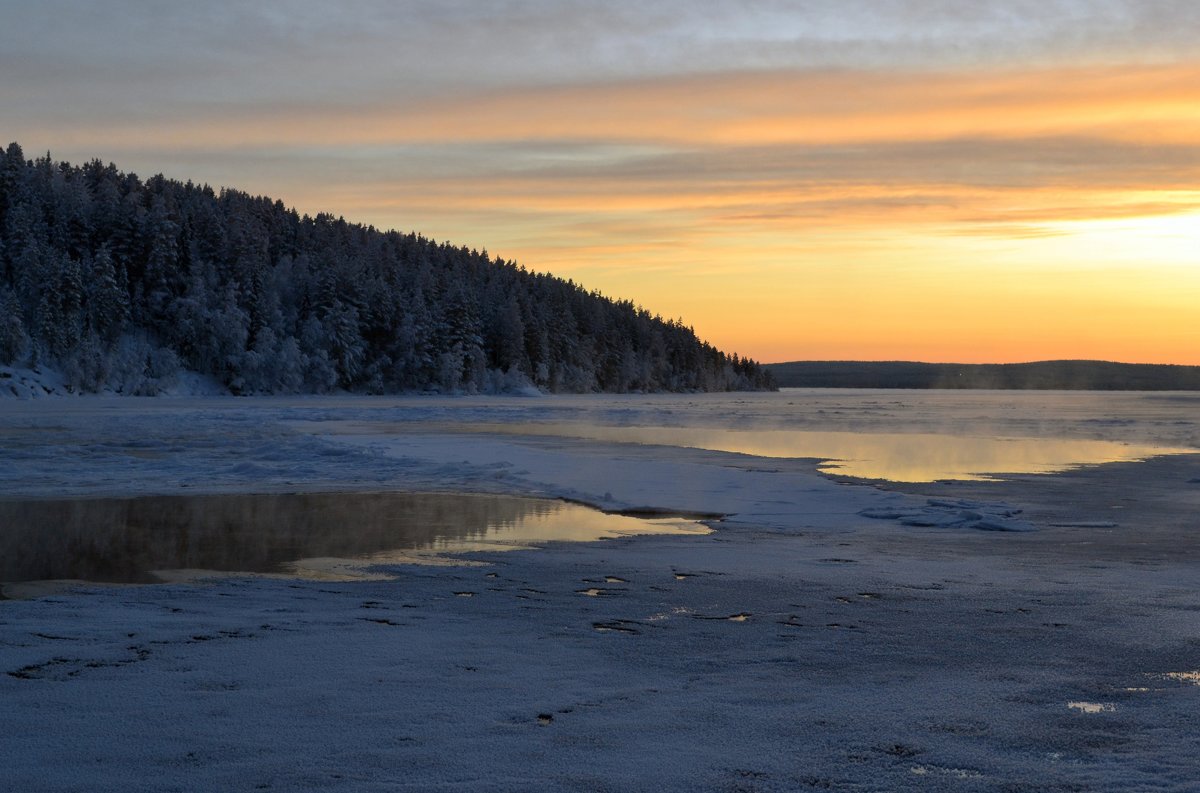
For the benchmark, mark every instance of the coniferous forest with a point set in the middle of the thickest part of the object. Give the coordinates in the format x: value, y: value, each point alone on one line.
x: 121, y: 284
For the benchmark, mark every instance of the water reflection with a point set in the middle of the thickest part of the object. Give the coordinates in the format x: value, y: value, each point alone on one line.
x: 138, y: 540
x: 898, y: 457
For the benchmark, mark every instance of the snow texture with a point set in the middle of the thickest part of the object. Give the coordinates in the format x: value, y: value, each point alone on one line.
x: 802, y: 646
x: 955, y: 514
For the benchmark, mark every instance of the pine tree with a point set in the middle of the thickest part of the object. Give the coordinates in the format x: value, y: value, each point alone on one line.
x: 117, y: 281
x: 107, y: 300
x: 13, y: 337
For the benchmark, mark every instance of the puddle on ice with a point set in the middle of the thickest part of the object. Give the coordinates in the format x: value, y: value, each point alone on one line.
x: 317, y: 536
x: 894, y: 456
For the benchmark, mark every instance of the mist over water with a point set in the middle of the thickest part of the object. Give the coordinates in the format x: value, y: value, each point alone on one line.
x: 901, y: 436
x: 897, y: 457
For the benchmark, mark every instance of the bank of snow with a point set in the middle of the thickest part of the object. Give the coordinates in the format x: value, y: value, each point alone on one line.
x: 36, y: 383
x: 40, y: 382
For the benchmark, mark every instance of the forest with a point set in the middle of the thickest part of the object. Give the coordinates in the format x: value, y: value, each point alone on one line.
x: 120, y: 284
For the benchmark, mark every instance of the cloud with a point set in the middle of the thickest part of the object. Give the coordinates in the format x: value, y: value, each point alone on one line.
x: 135, y: 58
x: 961, y: 180
x: 774, y: 151
x: 1143, y: 104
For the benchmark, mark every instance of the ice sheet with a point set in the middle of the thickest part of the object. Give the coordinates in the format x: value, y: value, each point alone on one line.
x: 803, y: 645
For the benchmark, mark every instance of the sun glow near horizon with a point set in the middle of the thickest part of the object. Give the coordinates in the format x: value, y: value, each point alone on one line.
x: 1006, y: 184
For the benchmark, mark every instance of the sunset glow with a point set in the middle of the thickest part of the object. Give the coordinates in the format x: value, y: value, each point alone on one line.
x: 795, y: 181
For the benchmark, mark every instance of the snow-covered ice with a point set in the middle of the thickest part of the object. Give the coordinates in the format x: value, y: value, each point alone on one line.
x: 803, y: 645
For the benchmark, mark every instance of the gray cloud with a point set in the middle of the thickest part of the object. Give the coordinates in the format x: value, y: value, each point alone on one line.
x: 537, y: 194
x: 151, y: 58
x: 987, y: 163
x: 69, y: 65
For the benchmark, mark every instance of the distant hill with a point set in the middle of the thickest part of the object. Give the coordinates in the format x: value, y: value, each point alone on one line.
x: 121, y: 284
x: 1045, y: 375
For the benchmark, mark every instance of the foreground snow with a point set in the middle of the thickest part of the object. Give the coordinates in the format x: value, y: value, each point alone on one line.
x: 804, y: 645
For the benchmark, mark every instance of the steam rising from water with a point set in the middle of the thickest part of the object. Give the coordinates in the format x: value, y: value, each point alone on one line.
x: 898, y: 457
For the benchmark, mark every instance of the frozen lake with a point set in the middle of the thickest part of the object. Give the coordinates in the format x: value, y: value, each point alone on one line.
x: 898, y: 436
x: 903, y: 436
x: 830, y: 633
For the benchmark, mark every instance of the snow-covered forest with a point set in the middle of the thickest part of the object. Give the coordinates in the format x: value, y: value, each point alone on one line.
x: 121, y: 284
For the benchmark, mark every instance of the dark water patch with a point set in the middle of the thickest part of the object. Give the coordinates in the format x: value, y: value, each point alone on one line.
x: 655, y: 512
x: 326, y: 535
x: 741, y: 616
x: 616, y: 626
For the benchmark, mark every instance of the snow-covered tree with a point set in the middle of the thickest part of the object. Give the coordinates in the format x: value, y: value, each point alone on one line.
x: 14, y: 339
x: 119, y: 281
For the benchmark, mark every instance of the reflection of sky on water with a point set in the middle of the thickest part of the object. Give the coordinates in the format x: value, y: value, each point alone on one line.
x: 899, y: 457
x: 306, y: 535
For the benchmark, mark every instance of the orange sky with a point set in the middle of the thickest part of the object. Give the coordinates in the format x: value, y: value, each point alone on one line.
x: 1033, y: 201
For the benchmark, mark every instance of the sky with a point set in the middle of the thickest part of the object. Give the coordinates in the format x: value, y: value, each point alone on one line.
x: 928, y: 180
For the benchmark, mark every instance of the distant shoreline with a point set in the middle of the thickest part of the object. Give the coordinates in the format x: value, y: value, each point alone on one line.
x: 1039, y: 375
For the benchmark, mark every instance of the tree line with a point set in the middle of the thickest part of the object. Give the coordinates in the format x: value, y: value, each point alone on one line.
x: 121, y: 283
x: 1043, y: 375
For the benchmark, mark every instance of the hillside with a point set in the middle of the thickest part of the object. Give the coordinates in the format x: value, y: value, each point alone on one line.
x: 122, y: 284
x: 1048, y: 375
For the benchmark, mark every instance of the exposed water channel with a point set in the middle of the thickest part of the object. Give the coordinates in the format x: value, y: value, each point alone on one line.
x: 890, y: 456
x: 316, y: 536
